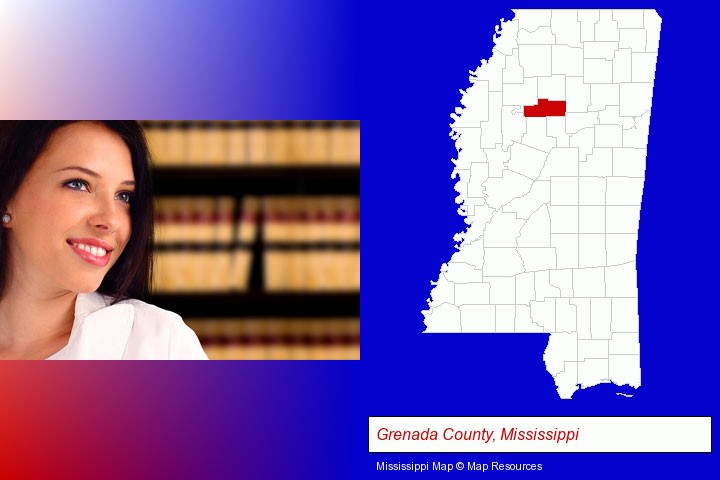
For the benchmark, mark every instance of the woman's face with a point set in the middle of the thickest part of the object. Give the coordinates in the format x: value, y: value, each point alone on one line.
x: 71, y: 215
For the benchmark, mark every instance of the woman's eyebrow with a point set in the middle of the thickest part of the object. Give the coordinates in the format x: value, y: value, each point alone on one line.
x: 92, y: 173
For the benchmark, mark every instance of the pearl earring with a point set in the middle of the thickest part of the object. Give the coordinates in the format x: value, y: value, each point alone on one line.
x: 6, y: 218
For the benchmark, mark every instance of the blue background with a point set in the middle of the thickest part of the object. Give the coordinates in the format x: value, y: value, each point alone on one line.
x: 397, y: 68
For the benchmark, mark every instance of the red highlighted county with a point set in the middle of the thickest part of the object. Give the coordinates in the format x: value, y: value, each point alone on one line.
x: 546, y: 108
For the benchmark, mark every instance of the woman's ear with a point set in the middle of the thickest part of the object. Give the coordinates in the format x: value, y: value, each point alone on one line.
x: 6, y: 217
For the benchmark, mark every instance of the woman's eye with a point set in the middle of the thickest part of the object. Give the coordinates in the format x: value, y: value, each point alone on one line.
x: 125, y: 197
x: 80, y: 185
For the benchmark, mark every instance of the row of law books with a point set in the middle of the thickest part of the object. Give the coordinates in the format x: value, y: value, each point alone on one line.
x: 281, y: 219
x: 302, y: 244
x: 253, y: 143
x: 279, y: 339
x: 197, y: 271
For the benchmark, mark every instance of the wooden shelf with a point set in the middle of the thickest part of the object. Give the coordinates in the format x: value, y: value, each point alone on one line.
x: 259, y: 304
x: 273, y: 246
x: 253, y: 180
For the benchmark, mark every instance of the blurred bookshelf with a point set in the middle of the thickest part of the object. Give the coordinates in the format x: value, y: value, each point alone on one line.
x: 257, y: 239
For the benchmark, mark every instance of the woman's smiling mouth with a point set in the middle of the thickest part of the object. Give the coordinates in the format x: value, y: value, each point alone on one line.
x: 93, y: 251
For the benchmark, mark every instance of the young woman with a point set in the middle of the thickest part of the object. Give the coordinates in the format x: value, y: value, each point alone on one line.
x: 75, y: 246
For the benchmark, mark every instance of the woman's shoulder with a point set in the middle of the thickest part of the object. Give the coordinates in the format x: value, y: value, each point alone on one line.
x: 155, y: 330
x: 145, y: 314
x: 152, y: 313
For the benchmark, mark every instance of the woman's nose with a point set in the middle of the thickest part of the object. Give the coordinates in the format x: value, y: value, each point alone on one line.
x: 106, y: 214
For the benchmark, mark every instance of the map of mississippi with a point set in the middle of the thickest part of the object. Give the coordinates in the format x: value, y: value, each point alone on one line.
x: 552, y: 141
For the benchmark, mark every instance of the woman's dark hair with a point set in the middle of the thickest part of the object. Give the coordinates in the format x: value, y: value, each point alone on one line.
x: 21, y: 142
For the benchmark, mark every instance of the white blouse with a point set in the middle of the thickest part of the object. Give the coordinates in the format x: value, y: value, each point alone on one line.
x: 128, y: 330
